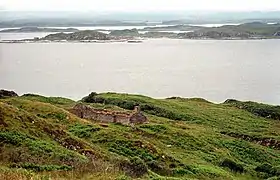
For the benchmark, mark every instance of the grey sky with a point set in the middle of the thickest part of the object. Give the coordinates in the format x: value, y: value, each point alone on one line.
x: 140, y: 5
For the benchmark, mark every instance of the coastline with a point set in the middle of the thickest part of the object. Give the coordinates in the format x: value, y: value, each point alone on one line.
x: 129, y: 40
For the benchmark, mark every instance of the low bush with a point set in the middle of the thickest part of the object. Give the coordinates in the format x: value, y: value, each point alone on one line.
x: 93, y: 98
x: 155, y: 128
x: 274, y: 178
x: 268, y: 169
x: 133, y: 148
x: 39, y: 168
x: 13, y: 138
x: 134, y: 167
x: 232, y: 165
x: 182, y: 172
x: 58, y: 116
x: 83, y: 131
x: 159, y: 168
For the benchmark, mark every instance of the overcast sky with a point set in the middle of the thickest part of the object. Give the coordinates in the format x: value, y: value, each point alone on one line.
x: 140, y: 5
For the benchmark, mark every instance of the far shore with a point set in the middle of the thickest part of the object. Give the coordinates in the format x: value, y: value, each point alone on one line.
x: 126, y: 40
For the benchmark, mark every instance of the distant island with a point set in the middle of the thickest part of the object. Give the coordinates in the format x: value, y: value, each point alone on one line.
x: 254, y: 30
x: 65, y: 22
x: 37, y: 29
x: 77, y: 36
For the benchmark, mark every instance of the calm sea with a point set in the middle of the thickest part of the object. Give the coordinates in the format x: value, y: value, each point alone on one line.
x: 211, y: 69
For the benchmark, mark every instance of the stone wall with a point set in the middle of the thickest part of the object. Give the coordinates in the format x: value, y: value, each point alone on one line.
x: 105, y: 116
x: 138, y: 118
x: 122, y: 119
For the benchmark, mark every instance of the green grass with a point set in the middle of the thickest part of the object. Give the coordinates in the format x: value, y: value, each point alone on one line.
x: 259, y: 109
x: 183, y: 139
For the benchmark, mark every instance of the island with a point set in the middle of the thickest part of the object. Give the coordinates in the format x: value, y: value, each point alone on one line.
x: 254, y: 30
x: 37, y: 29
x: 86, y: 35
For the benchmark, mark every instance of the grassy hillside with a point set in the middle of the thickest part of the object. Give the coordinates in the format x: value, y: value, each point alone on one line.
x: 184, y: 139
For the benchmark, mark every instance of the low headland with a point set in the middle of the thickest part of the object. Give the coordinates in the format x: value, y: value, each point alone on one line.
x: 126, y: 136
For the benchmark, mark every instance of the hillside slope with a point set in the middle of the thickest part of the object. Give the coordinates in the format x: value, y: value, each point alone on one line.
x: 184, y: 139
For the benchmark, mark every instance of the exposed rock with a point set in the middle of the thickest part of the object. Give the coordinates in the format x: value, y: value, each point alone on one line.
x: 125, y: 33
x: 277, y: 33
x: 106, y: 116
x: 268, y: 142
x: 5, y: 94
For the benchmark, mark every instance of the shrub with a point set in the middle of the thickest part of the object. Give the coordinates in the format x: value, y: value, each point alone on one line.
x: 269, y: 169
x: 132, y: 148
x: 155, y: 128
x: 277, y: 170
x: 182, y: 172
x: 159, y: 168
x: 14, y: 138
x: 93, y: 98
x: 38, y: 168
x: 58, y: 116
x: 126, y: 104
x: 274, y: 178
x: 83, y: 131
x: 123, y: 177
x: 232, y: 165
x: 134, y: 167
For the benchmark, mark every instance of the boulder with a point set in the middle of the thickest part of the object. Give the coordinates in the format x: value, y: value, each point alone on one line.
x: 5, y: 94
x: 277, y: 33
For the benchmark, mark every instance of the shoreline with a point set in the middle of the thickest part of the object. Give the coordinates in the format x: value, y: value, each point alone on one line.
x: 129, y: 40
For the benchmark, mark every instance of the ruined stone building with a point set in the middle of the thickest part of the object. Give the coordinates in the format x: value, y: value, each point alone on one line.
x: 106, y: 116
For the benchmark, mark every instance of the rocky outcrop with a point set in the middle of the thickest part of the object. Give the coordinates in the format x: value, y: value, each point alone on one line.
x: 268, y: 142
x: 5, y: 94
x: 277, y: 33
x: 106, y: 116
